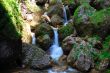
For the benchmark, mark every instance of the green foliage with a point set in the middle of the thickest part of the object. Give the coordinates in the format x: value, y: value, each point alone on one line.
x: 69, y: 1
x: 100, y: 16
x: 106, y: 43
x: 104, y: 55
x: 11, y: 20
x: 66, y: 30
x: 107, y: 71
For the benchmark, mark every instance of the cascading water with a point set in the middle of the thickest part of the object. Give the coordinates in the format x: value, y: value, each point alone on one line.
x: 56, y: 52
x: 65, y: 16
x: 55, y: 49
x: 33, y: 38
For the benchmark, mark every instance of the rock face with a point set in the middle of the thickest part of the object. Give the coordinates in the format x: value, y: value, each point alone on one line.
x: 10, y: 52
x: 81, y: 55
x: 56, y: 20
x: 56, y: 9
x: 35, y: 57
x: 44, y: 34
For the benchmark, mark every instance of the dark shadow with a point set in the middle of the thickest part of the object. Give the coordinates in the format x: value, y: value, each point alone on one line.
x: 10, y: 40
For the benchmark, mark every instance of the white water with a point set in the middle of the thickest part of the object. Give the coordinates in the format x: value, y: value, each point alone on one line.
x: 33, y: 38
x: 65, y: 16
x: 69, y: 70
x: 55, y: 50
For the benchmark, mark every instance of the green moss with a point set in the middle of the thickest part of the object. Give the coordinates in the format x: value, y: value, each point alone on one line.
x: 100, y: 16
x: 66, y: 31
x: 84, y: 9
x: 106, y: 43
x: 107, y: 71
x: 11, y: 21
x: 104, y: 55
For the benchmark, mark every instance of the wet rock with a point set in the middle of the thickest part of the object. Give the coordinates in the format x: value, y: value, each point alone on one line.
x: 94, y: 71
x: 35, y: 57
x: 10, y: 52
x: 44, y: 34
x: 60, y: 68
x: 81, y: 55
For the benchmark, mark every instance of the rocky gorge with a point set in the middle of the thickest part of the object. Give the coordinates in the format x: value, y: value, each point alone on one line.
x: 55, y: 36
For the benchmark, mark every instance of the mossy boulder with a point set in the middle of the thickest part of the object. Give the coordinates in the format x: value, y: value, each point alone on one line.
x: 44, y: 35
x: 10, y: 24
x: 89, y: 21
x: 83, y: 12
x: 65, y: 31
x: 35, y: 57
x: 82, y: 54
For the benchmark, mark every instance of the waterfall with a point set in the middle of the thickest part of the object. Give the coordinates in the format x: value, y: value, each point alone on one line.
x: 33, y: 38
x: 65, y: 16
x: 55, y: 50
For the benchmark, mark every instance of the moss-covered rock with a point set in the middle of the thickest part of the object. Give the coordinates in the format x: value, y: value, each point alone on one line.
x: 10, y: 24
x: 82, y: 55
x: 44, y: 35
x: 83, y: 13
x: 66, y: 31
x: 88, y: 21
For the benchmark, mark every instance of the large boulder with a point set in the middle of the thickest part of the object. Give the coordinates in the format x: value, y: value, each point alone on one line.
x: 35, y: 57
x: 81, y: 16
x: 44, y: 35
x: 86, y: 24
x: 68, y: 42
x: 82, y: 55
